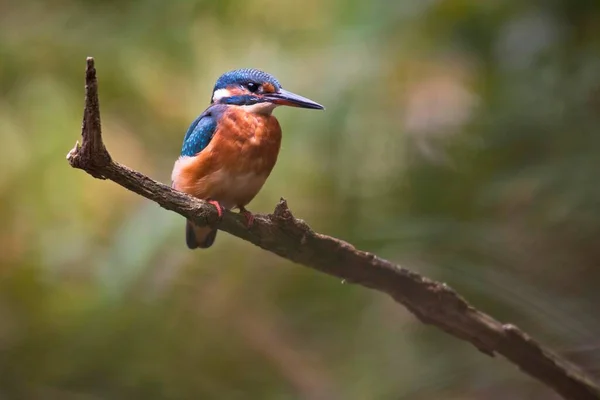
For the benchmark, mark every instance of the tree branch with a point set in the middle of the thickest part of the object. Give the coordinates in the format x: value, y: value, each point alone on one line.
x: 280, y: 233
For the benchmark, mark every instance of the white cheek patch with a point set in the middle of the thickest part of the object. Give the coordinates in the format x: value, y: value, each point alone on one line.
x: 220, y: 93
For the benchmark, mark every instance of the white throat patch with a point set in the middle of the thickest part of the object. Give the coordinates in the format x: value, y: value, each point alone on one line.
x: 260, y: 108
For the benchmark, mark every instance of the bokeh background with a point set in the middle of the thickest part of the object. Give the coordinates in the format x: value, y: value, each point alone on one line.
x: 461, y: 139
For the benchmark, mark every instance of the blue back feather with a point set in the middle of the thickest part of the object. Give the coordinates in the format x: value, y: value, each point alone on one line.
x: 198, y: 135
x: 201, y: 131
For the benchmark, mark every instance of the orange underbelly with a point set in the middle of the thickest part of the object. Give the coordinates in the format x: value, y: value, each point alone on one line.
x: 235, y: 165
x: 233, y: 189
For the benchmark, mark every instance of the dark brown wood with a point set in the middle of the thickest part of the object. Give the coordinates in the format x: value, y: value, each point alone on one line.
x: 281, y: 233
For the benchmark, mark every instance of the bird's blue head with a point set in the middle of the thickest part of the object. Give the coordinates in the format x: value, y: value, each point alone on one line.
x: 257, y: 89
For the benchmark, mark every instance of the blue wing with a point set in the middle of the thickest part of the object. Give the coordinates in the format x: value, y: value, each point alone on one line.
x: 199, y: 134
x: 202, y: 130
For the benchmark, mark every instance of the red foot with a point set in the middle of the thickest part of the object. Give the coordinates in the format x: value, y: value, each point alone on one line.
x: 217, y: 206
x: 249, y: 217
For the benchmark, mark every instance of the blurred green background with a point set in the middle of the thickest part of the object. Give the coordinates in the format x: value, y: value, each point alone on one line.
x: 461, y: 139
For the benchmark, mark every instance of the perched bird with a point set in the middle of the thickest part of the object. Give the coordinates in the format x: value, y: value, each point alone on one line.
x: 230, y: 149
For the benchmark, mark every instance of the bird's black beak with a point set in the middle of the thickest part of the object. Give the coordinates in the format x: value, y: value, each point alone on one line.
x: 284, y: 98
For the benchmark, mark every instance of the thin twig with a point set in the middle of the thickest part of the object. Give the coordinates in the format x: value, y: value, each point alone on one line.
x: 280, y: 233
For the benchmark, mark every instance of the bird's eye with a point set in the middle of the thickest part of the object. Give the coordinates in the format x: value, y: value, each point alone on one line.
x: 253, y: 87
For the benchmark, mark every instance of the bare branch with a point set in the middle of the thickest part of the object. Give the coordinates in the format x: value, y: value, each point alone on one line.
x: 280, y: 233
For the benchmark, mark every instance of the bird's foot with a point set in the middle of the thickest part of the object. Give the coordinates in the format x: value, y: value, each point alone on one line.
x: 218, y: 206
x: 249, y: 217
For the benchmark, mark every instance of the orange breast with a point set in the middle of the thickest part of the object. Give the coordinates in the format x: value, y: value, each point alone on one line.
x: 234, y: 166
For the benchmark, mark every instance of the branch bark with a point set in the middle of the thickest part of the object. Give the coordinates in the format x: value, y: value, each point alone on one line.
x: 280, y: 233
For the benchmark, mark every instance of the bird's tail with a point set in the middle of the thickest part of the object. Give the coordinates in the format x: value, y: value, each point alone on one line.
x: 199, y: 237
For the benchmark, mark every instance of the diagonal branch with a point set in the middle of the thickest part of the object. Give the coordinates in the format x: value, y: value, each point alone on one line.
x: 280, y: 233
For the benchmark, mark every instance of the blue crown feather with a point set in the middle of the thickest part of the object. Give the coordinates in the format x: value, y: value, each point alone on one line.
x: 244, y: 76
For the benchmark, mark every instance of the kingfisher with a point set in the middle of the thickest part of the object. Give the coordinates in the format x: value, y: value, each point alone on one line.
x: 229, y: 150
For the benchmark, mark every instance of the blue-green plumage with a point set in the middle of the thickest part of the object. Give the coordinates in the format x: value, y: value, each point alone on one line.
x: 198, y: 135
x: 201, y: 131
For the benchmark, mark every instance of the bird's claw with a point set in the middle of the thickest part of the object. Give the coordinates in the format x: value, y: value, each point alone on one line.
x: 218, y: 206
x: 249, y: 217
